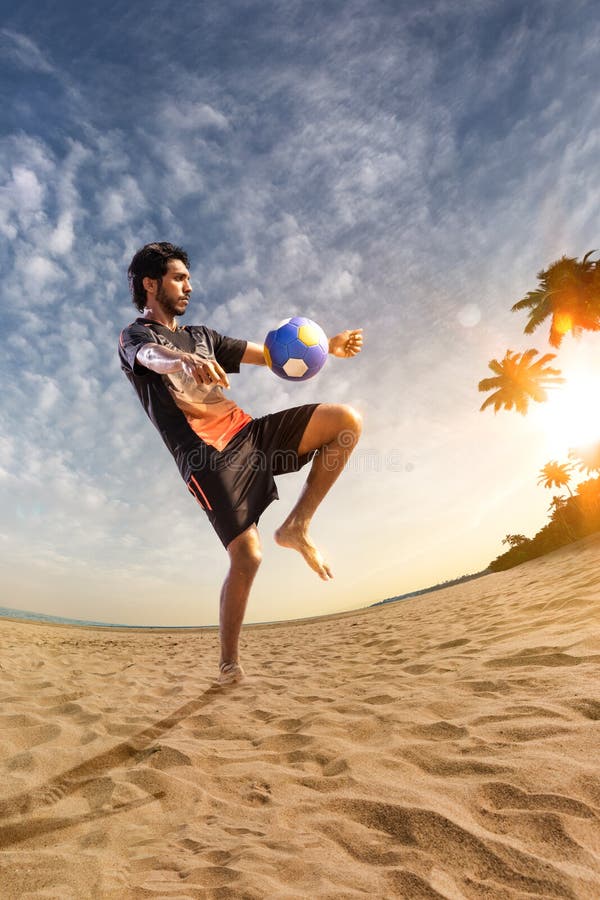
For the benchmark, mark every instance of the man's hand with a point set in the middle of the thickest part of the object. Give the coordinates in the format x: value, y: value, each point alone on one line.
x: 204, y: 371
x: 346, y: 343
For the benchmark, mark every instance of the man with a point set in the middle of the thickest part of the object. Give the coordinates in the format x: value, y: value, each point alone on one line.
x: 227, y: 458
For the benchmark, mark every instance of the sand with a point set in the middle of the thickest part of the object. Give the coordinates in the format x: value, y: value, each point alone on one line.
x: 447, y: 746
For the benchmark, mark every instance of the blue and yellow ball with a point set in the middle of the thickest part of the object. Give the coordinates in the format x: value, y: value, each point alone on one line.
x: 296, y: 349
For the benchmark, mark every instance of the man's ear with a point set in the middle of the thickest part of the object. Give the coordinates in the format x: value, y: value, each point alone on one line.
x: 150, y: 285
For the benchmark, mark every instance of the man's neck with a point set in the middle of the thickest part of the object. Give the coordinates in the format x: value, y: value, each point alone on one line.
x: 158, y: 315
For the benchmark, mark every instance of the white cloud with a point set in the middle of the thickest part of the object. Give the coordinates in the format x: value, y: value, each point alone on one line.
x: 181, y: 175
x: 122, y: 203
x: 21, y: 201
x: 62, y: 236
x: 341, y: 283
x: 24, y: 52
x: 27, y: 192
x: 40, y: 275
x: 48, y: 396
x: 190, y: 116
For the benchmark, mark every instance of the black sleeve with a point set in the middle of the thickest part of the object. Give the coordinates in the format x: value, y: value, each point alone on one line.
x: 132, y: 338
x: 228, y: 351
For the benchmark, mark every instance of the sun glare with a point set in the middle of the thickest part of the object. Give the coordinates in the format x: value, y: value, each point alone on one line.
x: 571, y: 415
x: 563, y: 322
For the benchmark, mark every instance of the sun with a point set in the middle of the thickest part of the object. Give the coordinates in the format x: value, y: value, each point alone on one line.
x: 571, y: 415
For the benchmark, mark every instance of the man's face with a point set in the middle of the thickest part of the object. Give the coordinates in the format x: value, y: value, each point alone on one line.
x: 175, y: 288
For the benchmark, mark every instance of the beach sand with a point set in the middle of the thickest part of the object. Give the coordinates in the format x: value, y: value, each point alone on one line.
x: 447, y: 746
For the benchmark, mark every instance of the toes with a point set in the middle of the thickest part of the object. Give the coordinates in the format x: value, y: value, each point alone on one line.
x: 324, y: 571
x: 303, y: 544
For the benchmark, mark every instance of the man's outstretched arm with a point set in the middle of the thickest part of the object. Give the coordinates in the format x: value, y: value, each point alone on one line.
x: 346, y: 343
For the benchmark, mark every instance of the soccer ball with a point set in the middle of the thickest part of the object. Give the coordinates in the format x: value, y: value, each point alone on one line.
x: 296, y: 349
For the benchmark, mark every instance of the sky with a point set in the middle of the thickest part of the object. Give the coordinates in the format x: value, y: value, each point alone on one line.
x: 402, y: 167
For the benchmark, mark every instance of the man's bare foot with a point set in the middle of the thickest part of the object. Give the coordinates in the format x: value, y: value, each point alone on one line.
x: 231, y: 673
x: 295, y: 537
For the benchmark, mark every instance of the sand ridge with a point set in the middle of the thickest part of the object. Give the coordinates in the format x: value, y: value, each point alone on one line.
x: 442, y: 747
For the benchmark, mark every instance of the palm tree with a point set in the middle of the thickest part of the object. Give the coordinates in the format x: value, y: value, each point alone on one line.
x: 557, y: 503
x: 518, y: 380
x: 569, y: 291
x: 558, y: 510
x: 589, y: 499
x: 515, y: 540
x: 555, y: 474
x: 588, y: 458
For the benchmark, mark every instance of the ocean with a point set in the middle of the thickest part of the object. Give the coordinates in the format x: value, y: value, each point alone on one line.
x: 7, y: 612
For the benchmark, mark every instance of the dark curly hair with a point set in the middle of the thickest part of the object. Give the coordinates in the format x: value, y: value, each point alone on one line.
x: 151, y: 261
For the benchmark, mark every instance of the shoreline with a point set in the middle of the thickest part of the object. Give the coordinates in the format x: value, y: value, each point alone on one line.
x: 181, y: 629
x: 107, y: 626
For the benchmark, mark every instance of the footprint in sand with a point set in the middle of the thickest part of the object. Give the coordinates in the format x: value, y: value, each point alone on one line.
x: 283, y: 742
x: 440, y: 731
x: 588, y: 707
x: 258, y: 793
x: 461, y: 852
x: 532, y: 658
x: 164, y: 757
x: 21, y: 761
x: 502, y: 795
x: 380, y: 699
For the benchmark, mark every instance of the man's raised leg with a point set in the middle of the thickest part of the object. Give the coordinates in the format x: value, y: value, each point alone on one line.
x: 245, y: 556
x: 333, y: 430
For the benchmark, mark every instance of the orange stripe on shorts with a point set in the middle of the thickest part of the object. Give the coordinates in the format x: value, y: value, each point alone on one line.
x: 204, y: 497
x: 195, y: 496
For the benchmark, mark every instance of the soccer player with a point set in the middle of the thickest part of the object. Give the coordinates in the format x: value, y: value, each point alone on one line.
x: 227, y: 458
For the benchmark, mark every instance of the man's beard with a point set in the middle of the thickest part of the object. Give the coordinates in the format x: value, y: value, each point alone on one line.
x: 167, y: 305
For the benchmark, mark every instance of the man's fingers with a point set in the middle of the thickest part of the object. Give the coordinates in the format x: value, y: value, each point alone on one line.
x: 208, y: 374
x: 211, y: 373
x: 354, y: 342
x: 205, y: 371
x: 224, y: 380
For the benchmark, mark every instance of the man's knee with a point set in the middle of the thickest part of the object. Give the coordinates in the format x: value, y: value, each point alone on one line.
x: 354, y: 418
x: 245, y: 550
x: 331, y: 422
x: 351, y: 421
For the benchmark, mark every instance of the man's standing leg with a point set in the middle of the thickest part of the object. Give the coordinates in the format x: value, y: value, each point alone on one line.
x: 244, y: 559
x: 334, y: 431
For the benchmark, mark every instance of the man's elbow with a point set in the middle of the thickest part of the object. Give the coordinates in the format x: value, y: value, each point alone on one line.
x: 143, y: 356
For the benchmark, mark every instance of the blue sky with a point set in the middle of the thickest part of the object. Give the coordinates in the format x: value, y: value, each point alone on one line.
x: 402, y: 168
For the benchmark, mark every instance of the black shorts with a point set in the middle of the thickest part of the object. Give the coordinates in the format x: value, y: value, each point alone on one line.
x: 236, y: 485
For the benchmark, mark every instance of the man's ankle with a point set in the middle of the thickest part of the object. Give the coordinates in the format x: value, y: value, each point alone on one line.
x: 228, y: 661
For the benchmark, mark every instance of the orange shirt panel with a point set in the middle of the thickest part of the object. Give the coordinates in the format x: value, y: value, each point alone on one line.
x: 218, y: 430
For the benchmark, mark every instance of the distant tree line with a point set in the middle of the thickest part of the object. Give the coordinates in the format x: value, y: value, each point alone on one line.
x: 434, y: 587
x: 571, y: 518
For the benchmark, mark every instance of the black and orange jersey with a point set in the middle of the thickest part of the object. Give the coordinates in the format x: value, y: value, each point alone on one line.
x: 184, y: 412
